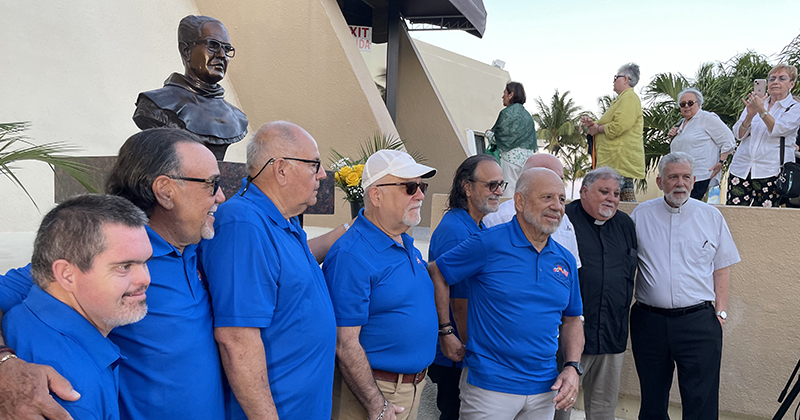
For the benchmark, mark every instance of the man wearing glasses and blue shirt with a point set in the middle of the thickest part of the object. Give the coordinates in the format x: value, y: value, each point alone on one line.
x: 382, y: 296
x: 273, y: 317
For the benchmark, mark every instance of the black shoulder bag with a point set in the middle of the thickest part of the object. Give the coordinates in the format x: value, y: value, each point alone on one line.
x: 788, y: 183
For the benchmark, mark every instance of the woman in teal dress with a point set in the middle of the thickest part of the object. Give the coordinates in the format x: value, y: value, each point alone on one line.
x: 514, y: 134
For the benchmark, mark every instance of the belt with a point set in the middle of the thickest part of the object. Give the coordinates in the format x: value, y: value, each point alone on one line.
x: 677, y: 311
x: 408, y: 378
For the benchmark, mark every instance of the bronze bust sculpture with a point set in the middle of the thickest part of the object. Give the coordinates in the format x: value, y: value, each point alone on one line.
x: 194, y: 101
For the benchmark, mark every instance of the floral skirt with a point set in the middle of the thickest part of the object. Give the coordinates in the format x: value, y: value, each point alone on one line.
x: 752, y: 192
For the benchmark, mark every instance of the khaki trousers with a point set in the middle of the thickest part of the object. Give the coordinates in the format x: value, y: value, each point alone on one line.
x: 347, y: 407
x: 600, y: 383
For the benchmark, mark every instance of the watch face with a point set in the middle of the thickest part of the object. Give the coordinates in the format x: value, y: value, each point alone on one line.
x: 722, y: 314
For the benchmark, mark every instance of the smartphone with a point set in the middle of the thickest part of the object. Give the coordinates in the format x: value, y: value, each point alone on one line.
x: 760, y: 87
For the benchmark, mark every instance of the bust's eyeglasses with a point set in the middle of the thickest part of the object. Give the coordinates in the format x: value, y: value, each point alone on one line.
x: 411, y: 187
x: 493, y: 185
x: 212, y: 182
x: 213, y: 46
x: 685, y: 104
x: 781, y: 79
x: 618, y: 76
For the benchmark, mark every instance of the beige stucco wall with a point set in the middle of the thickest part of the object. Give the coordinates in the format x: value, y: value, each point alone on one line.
x: 760, y: 337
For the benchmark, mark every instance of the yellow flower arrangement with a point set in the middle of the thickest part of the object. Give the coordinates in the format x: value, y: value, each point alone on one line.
x: 348, y: 179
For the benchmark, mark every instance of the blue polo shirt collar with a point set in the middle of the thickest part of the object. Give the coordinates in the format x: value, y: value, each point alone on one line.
x: 377, y: 238
x: 468, y: 221
x: 163, y: 248
x: 60, y: 317
x: 264, y: 203
x: 519, y: 240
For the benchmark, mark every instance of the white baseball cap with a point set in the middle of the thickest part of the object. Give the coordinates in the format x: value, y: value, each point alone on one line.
x: 393, y: 162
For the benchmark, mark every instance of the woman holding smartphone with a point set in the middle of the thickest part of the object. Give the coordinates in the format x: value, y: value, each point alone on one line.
x: 765, y: 119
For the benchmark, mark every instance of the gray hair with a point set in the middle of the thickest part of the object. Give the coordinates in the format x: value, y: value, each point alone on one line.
x: 603, y: 172
x: 674, y: 157
x: 693, y: 91
x: 631, y: 71
x: 73, y: 231
x: 144, y: 157
x: 263, y: 143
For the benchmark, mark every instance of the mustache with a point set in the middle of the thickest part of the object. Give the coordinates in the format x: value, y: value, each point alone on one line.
x: 137, y: 291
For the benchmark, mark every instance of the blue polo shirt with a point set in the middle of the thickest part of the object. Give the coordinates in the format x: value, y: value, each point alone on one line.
x: 384, y: 288
x: 172, y: 368
x: 262, y: 274
x: 456, y: 226
x: 14, y: 287
x: 517, y: 297
x: 46, y: 331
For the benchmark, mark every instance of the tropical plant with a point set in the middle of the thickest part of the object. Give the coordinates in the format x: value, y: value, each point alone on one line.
x: 343, y: 166
x: 15, y: 146
x: 576, y: 164
x: 559, y: 123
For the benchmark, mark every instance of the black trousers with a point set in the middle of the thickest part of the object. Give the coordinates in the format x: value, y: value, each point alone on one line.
x: 447, y: 397
x: 691, y: 341
x: 700, y: 189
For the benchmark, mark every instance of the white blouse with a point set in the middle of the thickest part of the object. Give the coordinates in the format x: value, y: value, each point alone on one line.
x: 759, y: 152
x: 704, y: 137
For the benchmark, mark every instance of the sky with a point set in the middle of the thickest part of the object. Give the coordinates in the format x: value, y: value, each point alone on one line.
x: 578, y: 46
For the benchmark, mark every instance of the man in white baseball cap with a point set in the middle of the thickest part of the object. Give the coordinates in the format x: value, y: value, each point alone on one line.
x: 382, y: 296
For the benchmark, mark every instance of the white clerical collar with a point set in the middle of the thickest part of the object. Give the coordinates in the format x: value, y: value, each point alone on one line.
x: 671, y: 209
x: 600, y: 222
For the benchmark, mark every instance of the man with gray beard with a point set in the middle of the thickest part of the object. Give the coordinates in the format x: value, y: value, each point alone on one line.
x: 382, y: 296
x: 685, y: 254
x: 521, y: 285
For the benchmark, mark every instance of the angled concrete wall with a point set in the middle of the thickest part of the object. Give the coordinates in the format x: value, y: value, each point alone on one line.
x: 424, y: 122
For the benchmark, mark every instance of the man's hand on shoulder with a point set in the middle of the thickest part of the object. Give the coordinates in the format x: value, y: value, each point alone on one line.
x: 25, y: 391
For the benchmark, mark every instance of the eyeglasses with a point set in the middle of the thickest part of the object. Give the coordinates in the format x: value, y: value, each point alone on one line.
x: 316, y: 163
x: 213, y: 182
x: 618, y: 76
x: 411, y: 187
x: 493, y: 185
x: 213, y: 46
x: 685, y: 104
x: 781, y: 78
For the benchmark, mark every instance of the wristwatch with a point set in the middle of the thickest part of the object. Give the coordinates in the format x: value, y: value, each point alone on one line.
x: 577, y: 365
x: 721, y: 162
x: 722, y: 314
x: 763, y: 114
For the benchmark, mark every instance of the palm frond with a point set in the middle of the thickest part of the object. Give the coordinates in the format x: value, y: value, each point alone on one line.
x: 379, y: 141
x: 16, y: 147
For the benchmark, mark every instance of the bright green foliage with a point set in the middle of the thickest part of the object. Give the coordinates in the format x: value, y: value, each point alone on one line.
x: 15, y: 147
x: 559, y: 123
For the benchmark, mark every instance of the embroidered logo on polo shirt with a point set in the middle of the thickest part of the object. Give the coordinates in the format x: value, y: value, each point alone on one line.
x: 559, y: 269
x: 419, y: 261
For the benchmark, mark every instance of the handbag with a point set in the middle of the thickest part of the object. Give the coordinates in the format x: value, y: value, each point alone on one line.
x: 788, y: 183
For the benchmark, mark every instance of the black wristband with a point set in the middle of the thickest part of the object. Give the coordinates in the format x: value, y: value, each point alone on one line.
x: 722, y: 162
x: 445, y: 325
x: 4, y: 349
x: 446, y: 331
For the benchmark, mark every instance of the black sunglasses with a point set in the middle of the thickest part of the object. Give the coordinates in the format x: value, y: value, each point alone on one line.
x: 316, y: 163
x: 214, y: 182
x: 684, y: 104
x: 493, y: 185
x: 618, y: 76
x: 213, y: 46
x: 411, y: 187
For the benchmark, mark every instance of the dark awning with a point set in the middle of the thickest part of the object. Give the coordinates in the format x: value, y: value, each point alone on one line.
x: 467, y: 15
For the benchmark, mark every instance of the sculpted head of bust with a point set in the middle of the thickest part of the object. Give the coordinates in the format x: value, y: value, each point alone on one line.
x: 205, y: 48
